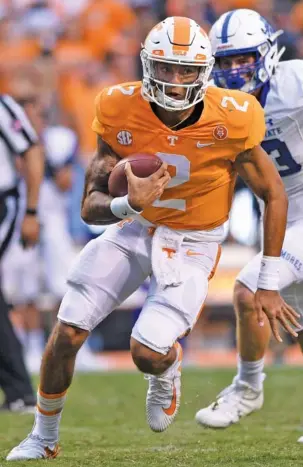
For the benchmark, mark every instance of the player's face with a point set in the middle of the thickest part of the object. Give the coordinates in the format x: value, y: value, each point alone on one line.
x: 235, y: 62
x: 176, y: 75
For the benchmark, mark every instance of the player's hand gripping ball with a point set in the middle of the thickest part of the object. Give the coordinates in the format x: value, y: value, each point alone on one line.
x: 143, y: 165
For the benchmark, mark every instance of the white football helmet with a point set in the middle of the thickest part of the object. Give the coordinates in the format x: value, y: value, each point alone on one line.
x: 245, y: 31
x: 176, y: 40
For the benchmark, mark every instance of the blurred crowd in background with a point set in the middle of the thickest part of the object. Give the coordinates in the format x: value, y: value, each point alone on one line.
x: 57, y: 55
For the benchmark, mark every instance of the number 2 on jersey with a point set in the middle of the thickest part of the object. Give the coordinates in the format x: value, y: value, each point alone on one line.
x: 237, y: 106
x: 182, y: 166
x: 279, y: 150
x: 129, y: 91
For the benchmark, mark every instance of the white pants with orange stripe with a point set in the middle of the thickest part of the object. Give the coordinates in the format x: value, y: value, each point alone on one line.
x: 111, y: 267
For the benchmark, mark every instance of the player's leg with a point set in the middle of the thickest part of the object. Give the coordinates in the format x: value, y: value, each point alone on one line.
x: 23, y: 290
x: 58, y: 254
x: 105, y: 273
x: 167, y: 315
x: 29, y: 290
x: 14, y: 379
x: 245, y: 394
x: 11, y: 264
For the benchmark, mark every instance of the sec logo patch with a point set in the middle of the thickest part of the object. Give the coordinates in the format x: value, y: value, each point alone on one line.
x: 220, y: 132
x: 125, y: 138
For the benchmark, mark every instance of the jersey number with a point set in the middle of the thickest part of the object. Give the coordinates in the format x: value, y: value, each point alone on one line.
x: 182, y: 166
x: 125, y: 91
x: 242, y: 108
x: 279, y: 150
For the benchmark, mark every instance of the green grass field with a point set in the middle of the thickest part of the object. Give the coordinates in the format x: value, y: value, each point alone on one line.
x: 104, y: 425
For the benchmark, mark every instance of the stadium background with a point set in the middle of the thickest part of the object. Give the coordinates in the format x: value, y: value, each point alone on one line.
x: 60, y: 53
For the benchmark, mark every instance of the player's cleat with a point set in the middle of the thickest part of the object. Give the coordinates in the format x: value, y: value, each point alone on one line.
x: 300, y: 440
x: 33, y: 447
x: 234, y: 402
x: 164, y: 395
x: 21, y: 406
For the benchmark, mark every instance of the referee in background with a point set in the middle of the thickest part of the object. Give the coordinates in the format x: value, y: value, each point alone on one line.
x: 17, y: 138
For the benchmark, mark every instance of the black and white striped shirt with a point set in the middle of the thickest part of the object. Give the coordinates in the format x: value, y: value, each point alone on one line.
x: 16, y: 136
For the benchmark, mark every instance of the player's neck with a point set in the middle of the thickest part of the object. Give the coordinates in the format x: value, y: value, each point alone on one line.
x: 257, y: 93
x: 172, y: 119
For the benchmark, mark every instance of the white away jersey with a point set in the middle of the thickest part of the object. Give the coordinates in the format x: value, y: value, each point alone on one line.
x: 284, y: 135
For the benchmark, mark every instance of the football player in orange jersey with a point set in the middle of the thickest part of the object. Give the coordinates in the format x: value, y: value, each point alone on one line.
x: 171, y: 223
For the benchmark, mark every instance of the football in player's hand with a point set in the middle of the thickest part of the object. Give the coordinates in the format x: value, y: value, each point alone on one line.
x: 142, y: 165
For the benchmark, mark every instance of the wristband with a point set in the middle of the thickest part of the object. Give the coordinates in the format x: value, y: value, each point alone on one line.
x: 269, y: 273
x: 31, y: 211
x: 121, y: 208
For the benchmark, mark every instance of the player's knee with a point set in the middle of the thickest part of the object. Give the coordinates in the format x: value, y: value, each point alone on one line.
x: 243, y: 299
x: 66, y: 340
x: 145, y: 359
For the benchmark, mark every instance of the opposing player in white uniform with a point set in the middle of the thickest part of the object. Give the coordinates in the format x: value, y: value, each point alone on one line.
x: 247, y: 58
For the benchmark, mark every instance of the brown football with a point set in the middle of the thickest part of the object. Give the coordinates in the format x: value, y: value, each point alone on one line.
x: 142, y: 164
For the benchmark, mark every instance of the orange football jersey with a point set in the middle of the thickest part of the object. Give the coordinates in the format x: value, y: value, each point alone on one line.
x: 200, y: 156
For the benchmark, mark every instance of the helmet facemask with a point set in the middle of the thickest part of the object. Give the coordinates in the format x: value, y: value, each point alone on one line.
x: 247, y: 78
x: 156, y: 90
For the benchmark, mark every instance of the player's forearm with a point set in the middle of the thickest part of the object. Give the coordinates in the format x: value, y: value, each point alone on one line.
x: 96, y: 209
x: 275, y: 217
x: 33, y: 174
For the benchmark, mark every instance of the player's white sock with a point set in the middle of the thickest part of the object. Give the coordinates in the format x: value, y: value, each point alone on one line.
x: 251, y: 372
x: 48, y: 415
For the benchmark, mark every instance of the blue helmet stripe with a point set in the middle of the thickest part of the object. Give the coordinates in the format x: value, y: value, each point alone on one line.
x: 224, y: 36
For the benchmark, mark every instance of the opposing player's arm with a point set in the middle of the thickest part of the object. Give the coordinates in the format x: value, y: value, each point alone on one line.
x: 95, y: 207
x: 260, y: 174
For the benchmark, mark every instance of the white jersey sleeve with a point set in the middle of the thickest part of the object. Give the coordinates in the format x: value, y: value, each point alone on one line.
x: 15, y: 127
x: 284, y: 135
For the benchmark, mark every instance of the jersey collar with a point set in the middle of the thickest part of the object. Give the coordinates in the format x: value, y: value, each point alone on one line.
x: 264, y: 92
